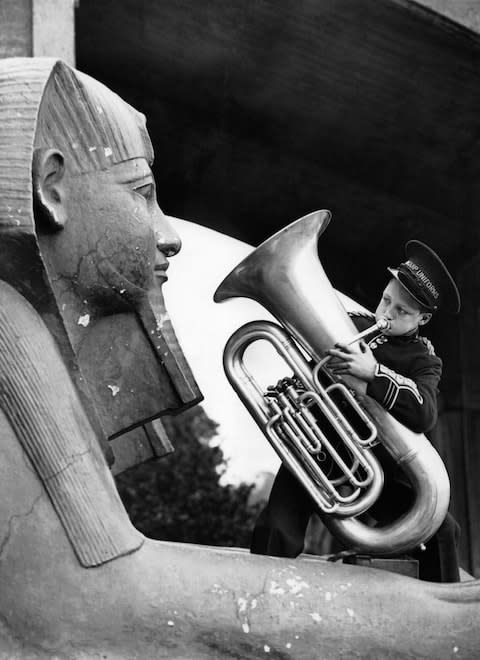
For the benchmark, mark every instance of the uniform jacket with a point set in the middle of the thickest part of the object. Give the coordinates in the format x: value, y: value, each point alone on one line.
x: 406, y: 377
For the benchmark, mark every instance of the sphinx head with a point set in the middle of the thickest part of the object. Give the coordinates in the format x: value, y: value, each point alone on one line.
x: 101, y: 231
x: 85, y: 241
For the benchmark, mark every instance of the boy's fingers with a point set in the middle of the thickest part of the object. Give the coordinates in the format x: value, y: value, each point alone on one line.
x: 343, y: 347
x: 334, y: 352
x: 341, y: 369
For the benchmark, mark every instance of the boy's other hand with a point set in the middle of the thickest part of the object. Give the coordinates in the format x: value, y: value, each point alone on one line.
x: 346, y: 361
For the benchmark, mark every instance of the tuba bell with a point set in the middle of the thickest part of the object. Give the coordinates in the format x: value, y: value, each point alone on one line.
x: 321, y: 426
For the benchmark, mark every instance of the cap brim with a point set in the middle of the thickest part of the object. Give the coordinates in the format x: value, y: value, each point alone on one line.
x: 395, y: 274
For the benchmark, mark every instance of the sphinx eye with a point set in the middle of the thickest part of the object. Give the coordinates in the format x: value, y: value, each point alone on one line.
x: 147, y: 190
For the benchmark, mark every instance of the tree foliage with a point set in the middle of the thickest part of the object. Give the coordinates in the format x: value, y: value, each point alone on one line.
x: 180, y: 497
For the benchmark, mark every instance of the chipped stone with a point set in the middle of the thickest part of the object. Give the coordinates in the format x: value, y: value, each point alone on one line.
x: 245, y: 628
x: 84, y: 320
x: 316, y: 616
x: 114, y: 388
x: 161, y: 320
x: 217, y: 589
x: 108, y: 151
x: 275, y: 589
x: 266, y: 648
x: 350, y: 612
x: 296, y: 585
x: 170, y: 623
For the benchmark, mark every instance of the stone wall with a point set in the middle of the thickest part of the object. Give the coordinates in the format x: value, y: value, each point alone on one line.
x: 40, y: 28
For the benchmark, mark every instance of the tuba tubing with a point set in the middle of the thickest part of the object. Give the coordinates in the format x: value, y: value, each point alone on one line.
x: 285, y: 275
x: 429, y: 479
x: 253, y: 398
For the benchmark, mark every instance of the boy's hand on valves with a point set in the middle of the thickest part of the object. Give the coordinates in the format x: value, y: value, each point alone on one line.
x: 347, y: 361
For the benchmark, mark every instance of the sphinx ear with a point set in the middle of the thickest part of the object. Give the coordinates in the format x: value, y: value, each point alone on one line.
x: 48, y: 175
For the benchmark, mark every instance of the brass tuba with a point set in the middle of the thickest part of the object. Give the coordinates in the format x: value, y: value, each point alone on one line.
x: 322, y: 427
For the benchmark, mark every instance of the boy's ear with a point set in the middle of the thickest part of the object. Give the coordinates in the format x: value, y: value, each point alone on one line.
x: 48, y: 176
x: 425, y: 318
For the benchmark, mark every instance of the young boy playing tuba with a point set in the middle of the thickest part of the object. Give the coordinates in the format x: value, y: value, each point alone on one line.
x: 402, y: 373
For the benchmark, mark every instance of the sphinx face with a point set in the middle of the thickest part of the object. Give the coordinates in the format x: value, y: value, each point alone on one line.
x: 116, y: 241
x: 106, y: 266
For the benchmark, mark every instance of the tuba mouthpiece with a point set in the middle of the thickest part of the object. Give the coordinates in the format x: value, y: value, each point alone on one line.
x: 383, y: 324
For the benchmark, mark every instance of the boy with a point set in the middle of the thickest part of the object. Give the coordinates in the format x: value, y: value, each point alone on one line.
x: 402, y: 372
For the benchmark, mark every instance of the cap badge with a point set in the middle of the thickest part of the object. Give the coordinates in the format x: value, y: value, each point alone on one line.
x: 422, y: 279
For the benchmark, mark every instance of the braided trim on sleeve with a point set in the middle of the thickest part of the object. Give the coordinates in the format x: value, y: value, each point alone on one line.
x: 396, y: 383
x: 428, y: 344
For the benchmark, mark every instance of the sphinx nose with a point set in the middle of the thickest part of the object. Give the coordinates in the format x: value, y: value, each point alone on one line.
x: 168, y: 241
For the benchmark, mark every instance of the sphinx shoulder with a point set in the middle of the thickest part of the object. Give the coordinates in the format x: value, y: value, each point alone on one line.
x: 16, y: 311
x: 30, y: 360
x: 29, y: 356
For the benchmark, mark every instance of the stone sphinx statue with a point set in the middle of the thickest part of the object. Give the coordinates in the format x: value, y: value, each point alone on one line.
x: 83, y: 331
